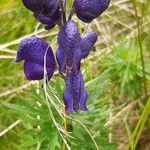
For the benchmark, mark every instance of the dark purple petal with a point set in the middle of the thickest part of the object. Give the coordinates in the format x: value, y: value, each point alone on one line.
x: 56, y: 16
x: 69, y: 41
x: 50, y: 6
x: 68, y: 100
x: 46, y: 20
x: 34, y: 5
x: 87, y: 42
x: 33, y: 50
x: 77, y: 60
x: 33, y: 71
x: 83, y: 100
x: 49, y: 20
x: 60, y: 56
x: 87, y: 10
x: 76, y: 92
x: 42, y: 6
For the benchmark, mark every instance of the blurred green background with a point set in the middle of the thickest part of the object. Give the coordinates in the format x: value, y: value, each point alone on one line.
x: 116, y: 74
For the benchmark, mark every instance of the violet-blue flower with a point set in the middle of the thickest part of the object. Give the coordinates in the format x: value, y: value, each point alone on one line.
x: 45, y: 11
x: 69, y: 42
x: 87, y: 42
x: 33, y: 51
x: 33, y: 5
x: 41, y: 6
x: 87, y: 10
x: 75, y: 96
x: 49, y: 21
x: 72, y: 49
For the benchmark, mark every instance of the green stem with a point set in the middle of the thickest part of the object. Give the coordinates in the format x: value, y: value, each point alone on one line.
x: 139, y: 127
x: 140, y: 46
x: 147, y: 111
x: 65, y: 129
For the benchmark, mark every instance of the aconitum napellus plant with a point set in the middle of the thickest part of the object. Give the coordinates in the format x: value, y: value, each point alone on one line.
x: 72, y: 47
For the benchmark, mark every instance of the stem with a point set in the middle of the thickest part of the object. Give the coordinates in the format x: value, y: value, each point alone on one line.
x: 139, y: 127
x: 71, y: 12
x: 141, y: 48
x: 63, y: 12
x: 65, y: 129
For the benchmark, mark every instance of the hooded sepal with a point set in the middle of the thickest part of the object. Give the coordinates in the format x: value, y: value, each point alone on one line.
x: 87, y: 42
x: 33, y: 51
x: 87, y: 10
x: 75, y: 96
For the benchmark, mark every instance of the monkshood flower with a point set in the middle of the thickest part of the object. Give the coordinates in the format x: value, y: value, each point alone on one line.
x: 87, y: 10
x: 45, y: 11
x: 33, y: 50
x: 41, y: 6
x: 75, y: 96
x: 69, y: 42
x: 73, y: 48
x: 49, y: 20
x: 87, y: 42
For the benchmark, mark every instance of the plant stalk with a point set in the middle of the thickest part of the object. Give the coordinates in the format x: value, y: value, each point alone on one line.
x: 65, y: 129
x: 141, y: 47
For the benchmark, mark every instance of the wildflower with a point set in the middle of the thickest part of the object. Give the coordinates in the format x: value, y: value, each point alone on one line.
x: 72, y: 49
x: 33, y: 5
x: 75, y: 96
x: 87, y: 10
x: 33, y: 50
x: 45, y: 11
x: 49, y: 21
x: 69, y: 42
x: 41, y: 6
x: 87, y: 42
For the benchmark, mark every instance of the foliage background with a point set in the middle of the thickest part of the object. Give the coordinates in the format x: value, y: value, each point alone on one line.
x: 116, y: 74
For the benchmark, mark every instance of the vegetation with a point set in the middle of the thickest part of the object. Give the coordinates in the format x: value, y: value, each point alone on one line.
x: 116, y: 74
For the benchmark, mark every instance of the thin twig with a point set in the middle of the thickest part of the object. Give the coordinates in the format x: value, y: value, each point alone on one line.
x: 18, y: 89
x: 7, y: 57
x: 10, y: 127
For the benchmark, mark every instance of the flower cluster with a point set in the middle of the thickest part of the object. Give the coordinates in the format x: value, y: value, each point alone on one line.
x: 72, y: 47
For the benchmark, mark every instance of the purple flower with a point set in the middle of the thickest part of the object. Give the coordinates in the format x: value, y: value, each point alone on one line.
x: 87, y: 10
x: 45, y: 11
x: 87, y: 42
x: 49, y: 20
x: 41, y: 6
x: 33, y: 5
x: 75, y: 96
x: 73, y: 48
x: 33, y: 50
x: 69, y: 42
